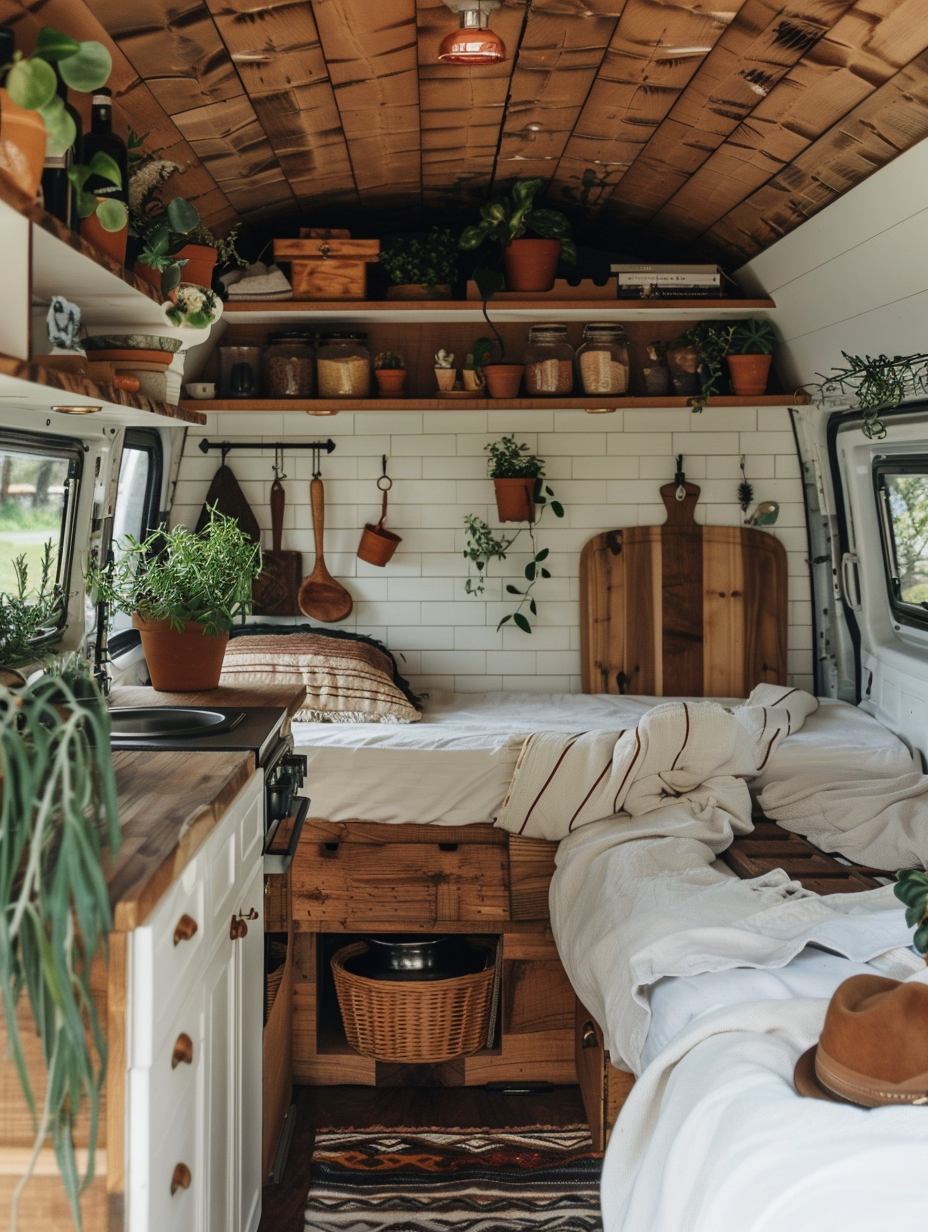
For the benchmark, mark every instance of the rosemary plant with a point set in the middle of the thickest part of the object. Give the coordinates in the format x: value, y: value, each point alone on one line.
x: 57, y: 812
x: 29, y: 615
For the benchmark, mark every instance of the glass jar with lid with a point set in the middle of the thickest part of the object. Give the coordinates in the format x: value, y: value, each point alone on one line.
x: 289, y: 364
x: 602, y: 359
x: 549, y: 361
x: 343, y: 366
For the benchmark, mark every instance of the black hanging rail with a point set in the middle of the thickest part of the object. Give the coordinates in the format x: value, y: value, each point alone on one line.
x: 283, y: 446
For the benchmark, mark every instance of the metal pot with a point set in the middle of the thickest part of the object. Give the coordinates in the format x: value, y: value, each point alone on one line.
x: 409, y: 953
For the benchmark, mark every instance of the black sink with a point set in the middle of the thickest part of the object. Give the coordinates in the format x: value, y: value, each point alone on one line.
x: 170, y: 722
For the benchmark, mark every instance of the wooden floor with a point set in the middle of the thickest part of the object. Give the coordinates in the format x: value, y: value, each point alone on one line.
x: 421, y: 1107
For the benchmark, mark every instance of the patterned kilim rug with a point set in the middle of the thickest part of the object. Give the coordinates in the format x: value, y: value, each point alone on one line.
x: 401, y: 1180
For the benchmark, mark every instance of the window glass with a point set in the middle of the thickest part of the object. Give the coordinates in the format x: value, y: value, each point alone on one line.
x: 136, y: 512
x: 906, y: 502
x: 37, y: 494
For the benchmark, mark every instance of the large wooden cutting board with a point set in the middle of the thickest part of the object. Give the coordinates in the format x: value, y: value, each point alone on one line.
x: 681, y: 609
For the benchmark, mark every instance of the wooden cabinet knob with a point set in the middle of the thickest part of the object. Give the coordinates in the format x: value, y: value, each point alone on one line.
x: 180, y: 1179
x: 183, y: 1051
x: 237, y: 929
x: 186, y: 927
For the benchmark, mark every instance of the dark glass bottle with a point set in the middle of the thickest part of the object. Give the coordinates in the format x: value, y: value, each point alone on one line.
x: 7, y: 47
x: 102, y: 137
x: 56, y: 188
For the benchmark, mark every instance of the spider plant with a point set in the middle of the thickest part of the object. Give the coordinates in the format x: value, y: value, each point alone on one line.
x: 57, y: 812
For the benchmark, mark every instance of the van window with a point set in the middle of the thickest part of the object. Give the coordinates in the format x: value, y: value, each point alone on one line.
x: 138, y: 490
x: 38, y: 496
x: 902, y: 492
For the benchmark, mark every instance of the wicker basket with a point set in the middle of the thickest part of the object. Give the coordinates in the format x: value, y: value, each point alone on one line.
x: 422, y: 1022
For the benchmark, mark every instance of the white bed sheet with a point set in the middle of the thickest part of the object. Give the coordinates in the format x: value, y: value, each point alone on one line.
x: 454, y: 767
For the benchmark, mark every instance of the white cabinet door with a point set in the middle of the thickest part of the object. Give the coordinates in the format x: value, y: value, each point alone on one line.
x: 249, y: 1057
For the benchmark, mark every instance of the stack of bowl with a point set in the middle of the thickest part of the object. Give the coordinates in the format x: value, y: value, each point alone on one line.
x: 144, y: 356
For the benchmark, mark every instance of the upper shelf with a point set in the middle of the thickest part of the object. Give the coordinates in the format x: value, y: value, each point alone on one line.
x: 418, y: 311
x: 41, y: 388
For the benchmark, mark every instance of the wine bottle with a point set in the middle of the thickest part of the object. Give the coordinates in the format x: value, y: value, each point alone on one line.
x: 56, y: 188
x: 102, y: 138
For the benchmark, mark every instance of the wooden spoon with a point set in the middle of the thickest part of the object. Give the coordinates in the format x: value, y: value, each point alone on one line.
x: 320, y: 595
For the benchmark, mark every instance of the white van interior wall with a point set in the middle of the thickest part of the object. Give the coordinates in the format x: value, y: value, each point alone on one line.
x: 606, y: 469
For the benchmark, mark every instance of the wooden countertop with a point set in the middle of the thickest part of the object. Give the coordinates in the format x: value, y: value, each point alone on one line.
x: 286, y: 698
x: 169, y: 803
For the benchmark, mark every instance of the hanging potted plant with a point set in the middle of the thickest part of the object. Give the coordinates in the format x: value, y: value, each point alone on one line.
x: 185, y: 591
x: 420, y: 268
x: 515, y: 473
x: 530, y: 260
x: 390, y: 371
x: 750, y: 354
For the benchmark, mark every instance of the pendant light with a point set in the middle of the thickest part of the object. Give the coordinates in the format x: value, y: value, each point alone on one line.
x: 473, y: 43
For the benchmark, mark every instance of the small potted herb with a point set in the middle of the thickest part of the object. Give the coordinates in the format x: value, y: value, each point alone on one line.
x: 185, y: 591
x: 750, y: 354
x: 420, y: 268
x: 515, y: 472
x: 531, y: 240
x: 390, y: 371
x: 28, y: 617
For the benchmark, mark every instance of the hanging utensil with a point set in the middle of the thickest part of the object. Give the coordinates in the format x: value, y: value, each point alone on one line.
x: 320, y: 595
x: 275, y: 591
x: 377, y: 544
x: 228, y: 498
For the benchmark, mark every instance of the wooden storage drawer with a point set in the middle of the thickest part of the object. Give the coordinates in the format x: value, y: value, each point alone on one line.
x: 347, y: 877
x: 603, y: 1087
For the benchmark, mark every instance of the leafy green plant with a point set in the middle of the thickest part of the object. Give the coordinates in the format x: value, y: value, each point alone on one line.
x: 753, y: 337
x: 482, y: 352
x: 431, y: 261
x: 193, y: 308
x: 389, y: 359
x: 31, y: 81
x: 162, y: 229
x: 57, y: 811
x: 713, y: 341
x: 112, y: 215
x: 181, y: 576
x: 879, y: 383
x: 228, y: 255
x: 29, y: 616
x: 508, y: 217
x: 911, y: 888
x: 510, y: 460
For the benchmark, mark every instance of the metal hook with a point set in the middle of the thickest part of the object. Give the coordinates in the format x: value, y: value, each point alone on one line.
x: 383, y: 460
x: 384, y: 483
x: 225, y: 447
x: 278, y: 464
x: 317, y: 464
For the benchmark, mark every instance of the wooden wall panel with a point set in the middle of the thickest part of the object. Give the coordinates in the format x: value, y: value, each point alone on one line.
x: 746, y: 63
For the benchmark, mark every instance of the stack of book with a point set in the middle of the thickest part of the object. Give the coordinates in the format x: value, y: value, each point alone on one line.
x: 646, y: 281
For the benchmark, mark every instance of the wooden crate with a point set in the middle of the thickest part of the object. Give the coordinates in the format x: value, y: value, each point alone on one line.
x: 329, y: 269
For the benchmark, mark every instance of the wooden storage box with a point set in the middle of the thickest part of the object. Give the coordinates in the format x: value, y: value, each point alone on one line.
x: 328, y: 268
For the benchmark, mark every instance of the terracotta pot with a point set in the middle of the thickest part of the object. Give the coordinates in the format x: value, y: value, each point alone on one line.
x: 22, y: 145
x: 390, y: 380
x: 184, y: 662
x: 473, y: 381
x: 515, y: 499
x: 503, y: 380
x: 113, y: 243
x: 749, y: 374
x: 201, y: 261
x: 531, y: 264
x: 377, y: 544
x: 445, y: 377
x: 418, y: 290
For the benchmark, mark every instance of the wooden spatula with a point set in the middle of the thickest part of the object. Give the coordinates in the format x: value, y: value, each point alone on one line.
x: 275, y: 590
x: 320, y: 595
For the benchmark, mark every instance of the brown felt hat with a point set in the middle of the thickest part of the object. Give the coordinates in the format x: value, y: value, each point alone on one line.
x: 873, y: 1050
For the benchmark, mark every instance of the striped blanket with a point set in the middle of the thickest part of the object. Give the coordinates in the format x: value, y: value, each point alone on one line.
x: 697, y: 752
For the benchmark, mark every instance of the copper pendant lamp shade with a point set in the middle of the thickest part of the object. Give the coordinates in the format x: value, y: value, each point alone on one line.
x: 473, y: 43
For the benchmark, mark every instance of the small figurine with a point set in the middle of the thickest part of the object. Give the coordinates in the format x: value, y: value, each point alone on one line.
x: 64, y: 324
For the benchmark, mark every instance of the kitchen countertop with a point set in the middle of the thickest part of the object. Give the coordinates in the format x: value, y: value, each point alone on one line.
x: 284, y: 697
x: 169, y: 803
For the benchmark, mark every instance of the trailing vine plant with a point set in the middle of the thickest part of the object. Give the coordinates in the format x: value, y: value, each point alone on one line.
x: 878, y: 383
x: 57, y: 812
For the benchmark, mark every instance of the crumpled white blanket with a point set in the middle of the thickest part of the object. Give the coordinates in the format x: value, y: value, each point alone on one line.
x: 881, y: 822
x: 696, y: 752
x: 714, y: 1138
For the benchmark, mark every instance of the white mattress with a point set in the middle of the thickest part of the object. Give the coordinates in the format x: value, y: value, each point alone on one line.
x: 453, y: 768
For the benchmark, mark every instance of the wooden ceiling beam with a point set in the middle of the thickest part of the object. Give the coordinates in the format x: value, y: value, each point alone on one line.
x: 865, y: 49
x: 657, y: 47
x: 756, y: 51
x: 891, y: 120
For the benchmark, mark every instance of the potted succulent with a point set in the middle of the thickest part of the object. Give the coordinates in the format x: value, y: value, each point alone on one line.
x: 184, y: 590
x: 750, y: 353
x: 472, y: 373
x: 390, y: 371
x: 28, y: 617
x: 32, y: 114
x: 515, y: 472
x: 445, y: 371
x: 420, y: 268
x: 530, y: 260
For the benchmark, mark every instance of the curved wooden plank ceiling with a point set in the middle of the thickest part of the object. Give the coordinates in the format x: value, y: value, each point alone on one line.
x: 714, y: 126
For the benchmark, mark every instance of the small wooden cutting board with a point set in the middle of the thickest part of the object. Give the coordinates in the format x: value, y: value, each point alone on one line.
x: 274, y: 592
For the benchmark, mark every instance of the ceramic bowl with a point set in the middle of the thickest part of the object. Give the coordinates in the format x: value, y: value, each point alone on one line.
x: 201, y: 389
x: 131, y: 342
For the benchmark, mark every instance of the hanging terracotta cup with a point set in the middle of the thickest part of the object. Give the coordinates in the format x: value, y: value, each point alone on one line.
x: 749, y: 374
x: 515, y: 499
x: 377, y: 543
x: 503, y: 380
x: 22, y: 145
x: 531, y: 264
x: 180, y: 661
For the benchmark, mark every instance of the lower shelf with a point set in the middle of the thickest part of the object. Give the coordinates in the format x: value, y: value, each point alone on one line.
x: 588, y: 402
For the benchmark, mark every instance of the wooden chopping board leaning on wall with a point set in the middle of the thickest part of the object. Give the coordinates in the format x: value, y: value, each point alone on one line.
x: 681, y: 609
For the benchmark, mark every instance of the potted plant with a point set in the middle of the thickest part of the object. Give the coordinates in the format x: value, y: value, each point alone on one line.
x: 32, y: 114
x: 711, y: 341
x: 445, y: 371
x: 877, y: 383
x: 472, y: 373
x: 57, y: 814
x: 420, y: 268
x: 390, y: 371
x: 750, y: 354
x: 193, y: 307
x: 911, y: 888
x: 28, y: 617
x: 516, y: 473
x: 185, y: 591
x: 530, y: 262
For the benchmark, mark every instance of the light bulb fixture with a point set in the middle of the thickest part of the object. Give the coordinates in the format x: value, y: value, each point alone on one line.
x: 474, y: 42
x: 77, y: 410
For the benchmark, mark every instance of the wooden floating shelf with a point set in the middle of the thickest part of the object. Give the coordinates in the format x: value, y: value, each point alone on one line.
x: 57, y: 386
x: 592, y: 402
x: 500, y: 310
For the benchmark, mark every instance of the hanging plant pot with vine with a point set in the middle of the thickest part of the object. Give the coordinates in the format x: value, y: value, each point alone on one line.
x: 515, y: 499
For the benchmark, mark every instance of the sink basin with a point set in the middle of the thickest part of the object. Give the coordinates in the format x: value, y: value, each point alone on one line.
x: 169, y: 722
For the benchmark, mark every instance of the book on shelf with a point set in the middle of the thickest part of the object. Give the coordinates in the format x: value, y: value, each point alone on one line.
x: 672, y: 291
x: 649, y: 281
x: 644, y: 271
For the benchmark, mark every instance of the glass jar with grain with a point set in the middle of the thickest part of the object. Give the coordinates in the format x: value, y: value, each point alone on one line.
x: 343, y: 366
x: 289, y: 364
x: 602, y: 358
x: 549, y: 361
